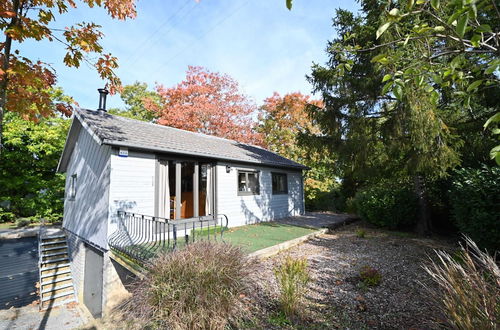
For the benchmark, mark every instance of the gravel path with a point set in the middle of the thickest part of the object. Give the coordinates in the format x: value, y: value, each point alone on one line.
x: 336, y: 297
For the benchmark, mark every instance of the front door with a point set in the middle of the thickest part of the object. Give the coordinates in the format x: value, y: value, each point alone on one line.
x: 185, y: 189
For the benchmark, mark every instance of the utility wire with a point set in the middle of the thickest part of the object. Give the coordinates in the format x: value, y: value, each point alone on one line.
x: 203, y: 35
x: 140, y: 49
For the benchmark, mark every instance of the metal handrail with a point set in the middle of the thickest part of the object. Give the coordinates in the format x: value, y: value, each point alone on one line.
x: 141, y: 237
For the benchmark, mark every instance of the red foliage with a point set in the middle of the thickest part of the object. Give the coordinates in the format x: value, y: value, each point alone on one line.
x: 210, y: 103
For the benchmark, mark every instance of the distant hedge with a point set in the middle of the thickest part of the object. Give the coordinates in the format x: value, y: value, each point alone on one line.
x: 388, y: 204
x: 475, y: 204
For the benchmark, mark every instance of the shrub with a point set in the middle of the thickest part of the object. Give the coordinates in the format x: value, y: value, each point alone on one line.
x: 475, y: 206
x: 360, y: 233
x: 22, y: 222
x: 469, y: 294
x: 6, y: 216
x: 198, y: 287
x: 292, y: 276
x: 390, y: 205
x: 370, y: 276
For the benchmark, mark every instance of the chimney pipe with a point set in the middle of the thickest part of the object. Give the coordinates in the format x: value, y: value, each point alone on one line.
x: 103, y: 92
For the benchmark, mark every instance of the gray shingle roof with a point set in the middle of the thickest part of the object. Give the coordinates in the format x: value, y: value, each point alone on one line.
x: 120, y: 131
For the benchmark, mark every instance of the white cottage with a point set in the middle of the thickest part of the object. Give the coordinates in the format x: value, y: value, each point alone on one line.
x: 115, y: 164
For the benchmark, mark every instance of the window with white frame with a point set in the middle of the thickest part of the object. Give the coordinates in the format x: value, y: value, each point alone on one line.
x: 248, y: 183
x: 72, y: 187
x: 280, y: 183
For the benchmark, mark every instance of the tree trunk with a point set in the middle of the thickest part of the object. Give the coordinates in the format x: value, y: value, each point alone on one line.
x: 423, y: 221
x: 5, y: 66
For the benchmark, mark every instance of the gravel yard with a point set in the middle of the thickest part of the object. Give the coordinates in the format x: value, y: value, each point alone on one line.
x: 337, y: 298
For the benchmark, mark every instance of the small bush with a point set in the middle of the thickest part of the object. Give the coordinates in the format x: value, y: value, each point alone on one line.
x: 292, y: 276
x: 390, y: 205
x: 475, y: 205
x: 22, y: 222
x: 370, y: 276
x: 360, y: 233
x: 198, y: 287
x: 6, y: 216
x: 469, y: 294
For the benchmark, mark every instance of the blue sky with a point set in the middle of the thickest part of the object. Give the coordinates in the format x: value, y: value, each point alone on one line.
x: 261, y: 44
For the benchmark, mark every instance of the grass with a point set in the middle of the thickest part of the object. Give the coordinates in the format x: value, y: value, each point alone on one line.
x: 250, y: 238
x: 7, y: 225
x: 262, y: 235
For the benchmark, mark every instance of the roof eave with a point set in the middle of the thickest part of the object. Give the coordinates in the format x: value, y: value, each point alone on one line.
x: 115, y: 143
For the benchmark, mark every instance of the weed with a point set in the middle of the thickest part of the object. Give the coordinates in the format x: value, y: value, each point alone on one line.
x: 370, y: 276
x: 292, y: 276
x: 469, y: 283
x: 360, y: 233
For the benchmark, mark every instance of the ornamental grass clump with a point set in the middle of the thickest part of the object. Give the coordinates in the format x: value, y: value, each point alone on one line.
x: 199, y: 287
x: 469, y: 287
x: 292, y: 276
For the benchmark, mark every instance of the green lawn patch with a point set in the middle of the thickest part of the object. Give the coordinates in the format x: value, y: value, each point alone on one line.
x: 7, y: 225
x: 262, y: 235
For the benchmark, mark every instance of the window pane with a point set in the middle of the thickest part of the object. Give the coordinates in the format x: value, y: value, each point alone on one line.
x: 242, y: 181
x: 253, y: 182
x: 280, y: 184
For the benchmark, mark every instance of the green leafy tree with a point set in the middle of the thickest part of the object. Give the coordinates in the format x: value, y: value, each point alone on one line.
x: 382, y: 117
x: 134, y: 96
x: 29, y: 184
x: 443, y: 46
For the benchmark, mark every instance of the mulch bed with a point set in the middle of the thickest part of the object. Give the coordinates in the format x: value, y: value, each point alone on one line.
x: 336, y: 297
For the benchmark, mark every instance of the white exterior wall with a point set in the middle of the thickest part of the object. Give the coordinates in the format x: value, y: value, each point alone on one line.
x: 244, y: 210
x: 132, y: 185
x: 86, y: 215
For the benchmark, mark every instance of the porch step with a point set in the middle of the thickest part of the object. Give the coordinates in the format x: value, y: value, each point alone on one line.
x: 43, y: 269
x: 60, y: 302
x: 54, y: 254
x: 54, y: 248
x: 55, y: 274
x: 58, y: 287
x: 56, y: 281
x: 53, y: 237
x: 52, y: 242
x: 59, y: 295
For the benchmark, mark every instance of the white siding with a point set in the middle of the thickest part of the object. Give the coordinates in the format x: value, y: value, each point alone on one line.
x: 132, y: 185
x: 87, y: 214
x: 243, y: 210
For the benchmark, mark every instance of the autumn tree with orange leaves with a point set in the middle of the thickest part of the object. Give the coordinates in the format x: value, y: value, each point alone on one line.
x: 207, y: 102
x: 26, y: 85
x: 283, y: 119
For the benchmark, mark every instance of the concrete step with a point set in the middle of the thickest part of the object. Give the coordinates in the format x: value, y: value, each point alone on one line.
x: 57, y: 287
x: 57, y: 273
x: 57, y: 302
x: 57, y: 292
x: 50, y: 244
x: 60, y: 295
x: 54, y: 261
x: 49, y: 273
x: 57, y: 266
x: 53, y: 237
x: 54, y: 283
x: 46, y: 255
x: 45, y: 249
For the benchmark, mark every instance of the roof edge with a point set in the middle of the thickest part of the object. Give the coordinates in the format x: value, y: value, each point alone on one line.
x: 198, y: 154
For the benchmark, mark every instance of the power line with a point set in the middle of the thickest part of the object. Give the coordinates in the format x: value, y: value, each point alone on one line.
x: 203, y: 35
x: 139, y: 50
